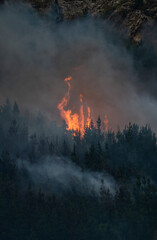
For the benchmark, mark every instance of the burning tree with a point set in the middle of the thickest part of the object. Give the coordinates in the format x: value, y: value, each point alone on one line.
x: 77, y: 122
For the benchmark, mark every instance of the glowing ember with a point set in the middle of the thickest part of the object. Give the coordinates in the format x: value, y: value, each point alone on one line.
x: 76, y: 122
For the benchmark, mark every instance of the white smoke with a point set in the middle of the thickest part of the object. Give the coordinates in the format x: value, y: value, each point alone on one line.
x: 59, y: 175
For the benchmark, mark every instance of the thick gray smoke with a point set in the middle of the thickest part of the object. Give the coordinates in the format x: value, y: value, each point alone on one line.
x: 36, y: 55
x: 59, y: 175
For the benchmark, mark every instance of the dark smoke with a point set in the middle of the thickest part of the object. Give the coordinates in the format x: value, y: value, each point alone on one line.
x: 36, y: 54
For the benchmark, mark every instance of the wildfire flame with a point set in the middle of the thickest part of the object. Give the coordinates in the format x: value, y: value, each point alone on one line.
x: 88, y: 118
x: 76, y: 122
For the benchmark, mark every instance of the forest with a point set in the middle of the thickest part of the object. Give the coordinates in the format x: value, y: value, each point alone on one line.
x: 73, y: 71
x: 56, y: 185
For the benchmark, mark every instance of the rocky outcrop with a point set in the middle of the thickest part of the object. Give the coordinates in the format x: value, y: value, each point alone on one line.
x: 131, y: 16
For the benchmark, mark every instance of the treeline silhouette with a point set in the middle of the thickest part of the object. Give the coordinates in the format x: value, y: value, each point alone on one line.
x: 128, y: 155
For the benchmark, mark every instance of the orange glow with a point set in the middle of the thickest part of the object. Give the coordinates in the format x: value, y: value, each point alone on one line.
x: 82, y: 118
x: 106, y: 123
x: 76, y: 122
x: 88, y: 118
x: 72, y: 120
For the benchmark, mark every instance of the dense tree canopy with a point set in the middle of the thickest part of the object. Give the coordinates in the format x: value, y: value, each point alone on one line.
x: 129, y: 156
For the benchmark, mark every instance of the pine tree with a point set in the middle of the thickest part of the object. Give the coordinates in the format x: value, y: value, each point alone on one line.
x: 74, y: 155
x: 6, y: 109
x: 99, y: 125
x: 65, y: 150
x: 13, y: 130
x: 16, y: 110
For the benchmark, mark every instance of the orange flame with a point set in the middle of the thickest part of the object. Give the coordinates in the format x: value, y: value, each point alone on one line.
x: 72, y: 120
x: 82, y: 118
x: 76, y: 122
x: 88, y: 118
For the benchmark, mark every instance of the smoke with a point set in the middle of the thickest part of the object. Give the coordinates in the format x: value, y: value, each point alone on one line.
x: 36, y: 54
x: 59, y: 175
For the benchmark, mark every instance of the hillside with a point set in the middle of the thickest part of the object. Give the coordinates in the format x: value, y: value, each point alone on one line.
x: 78, y: 120
x: 130, y: 16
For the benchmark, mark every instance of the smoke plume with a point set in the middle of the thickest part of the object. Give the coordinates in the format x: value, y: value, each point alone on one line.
x: 36, y: 54
x: 59, y: 175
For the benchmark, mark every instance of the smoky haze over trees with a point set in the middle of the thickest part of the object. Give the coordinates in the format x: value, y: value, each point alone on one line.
x: 54, y: 183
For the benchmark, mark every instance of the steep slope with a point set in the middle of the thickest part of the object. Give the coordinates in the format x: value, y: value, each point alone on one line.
x: 130, y: 16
